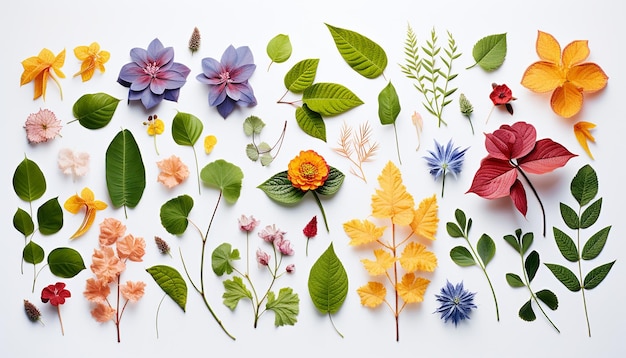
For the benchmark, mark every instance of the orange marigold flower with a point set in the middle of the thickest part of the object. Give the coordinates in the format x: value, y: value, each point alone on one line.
x: 103, y: 312
x: 110, y: 230
x: 173, y: 171
x: 106, y: 265
x: 133, y: 291
x: 132, y: 248
x: 308, y: 171
x: 96, y: 290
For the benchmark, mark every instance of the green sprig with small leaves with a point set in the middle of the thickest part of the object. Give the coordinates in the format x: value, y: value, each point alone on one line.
x: 252, y: 127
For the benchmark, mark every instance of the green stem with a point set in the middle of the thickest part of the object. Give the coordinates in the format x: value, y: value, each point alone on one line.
x: 532, y: 294
x: 319, y: 203
x: 156, y: 319
x: 395, y: 130
x: 333, y: 323
x: 484, y: 269
x: 543, y: 210
x: 197, y: 169
x: 580, y: 274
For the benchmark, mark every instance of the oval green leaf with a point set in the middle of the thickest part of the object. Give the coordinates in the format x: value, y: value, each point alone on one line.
x: 527, y: 240
x: 23, y: 222
x: 332, y: 183
x: 171, y: 282
x: 280, y: 189
x: 512, y: 240
x: 597, y: 275
x: 595, y: 244
x: 28, y: 181
x: 591, y: 214
x: 526, y: 312
x: 566, y: 245
x: 311, y: 122
x: 94, y: 111
x: 388, y: 105
x: 454, y: 230
x: 301, y: 75
x: 570, y: 217
x: 65, y: 262
x: 365, y: 56
x: 330, y: 99
x: 279, y: 48
x: 186, y: 129
x: 531, y: 265
x: 461, y: 256
x: 461, y: 219
x: 50, y: 217
x: 225, y: 176
x: 328, y: 282
x: 584, y: 186
x: 490, y: 51
x: 33, y: 253
x: 486, y: 248
x: 549, y: 298
x: 514, y: 280
x: 125, y: 171
x: 174, y: 214
x: 566, y: 276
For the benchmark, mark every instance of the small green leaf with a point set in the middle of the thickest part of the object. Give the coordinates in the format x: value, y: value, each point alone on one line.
x: 514, y: 280
x: 125, y: 171
x: 454, y: 230
x: 311, y: 122
x: 461, y: 219
x: 253, y: 125
x: 489, y: 52
x: 595, y: 244
x: 301, y: 75
x: 527, y: 240
x: 28, y: 181
x: 566, y: 245
x: 174, y: 214
x: 591, y: 214
x: 225, y: 176
x: 234, y: 291
x: 531, y: 264
x: 186, y: 129
x: 94, y: 111
x: 279, y: 48
x: 23, y: 222
x: 330, y: 99
x: 597, y: 275
x: 362, y: 54
x: 285, y: 306
x: 252, y: 152
x: 332, y: 183
x: 549, y: 298
x: 50, y: 217
x: 33, y: 253
x: 266, y: 159
x: 388, y: 105
x: 512, y: 240
x: 486, y: 248
x: 566, y: 276
x: 570, y: 217
x: 328, y: 282
x: 65, y: 262
x: 222, y: 257
x: 461, y: 256
x: 526, y: 312
x: 171, y: 282
x: 584, y: 186
x: 280, y: 189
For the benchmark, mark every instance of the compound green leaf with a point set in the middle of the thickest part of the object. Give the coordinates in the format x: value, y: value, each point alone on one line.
x: 65, y: 262
x: 301, y: 75
x: 514, y: 280
x: 171, y: 282
x: 125, y: 171
x: 28, y: 181
x: 591, y: 214
x: 330, y: 99
x: 50, y: 217
x: 489, y: 52
x: 454, y: 230
x: 362, y: 54
x: 570, y: 217
x: 225, y: 176
x: 94, y: 111
x: 174, y: 214
x: 328, y: 282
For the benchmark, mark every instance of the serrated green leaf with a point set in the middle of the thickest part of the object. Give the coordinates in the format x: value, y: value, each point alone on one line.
x: 279, y: 48
x: 388, y: 105
x: 33, y: 253
x: 549, y: 298
x: 454, y: 230
x: 222, y: 258
x: 362, y: 54
x: 234, y: 291
x: 597, y: 275
x: 65, y: 262
x: 253, y: 125
x: 225, y: 176
x: 328, y: 282
x: 531, y: 265
x: 461, y: 256
x: 566, y: 245
x: 301, y: 75
x: 526, y: 312
x: 595, y: 244
x: 50, y: 217
x: 584, y: 186
x: 125, y: 171
x: 490, y: 51
x: 566, y: 276
x: 591, y: 214
x: 311, y: 122
x: 186, y: 129
x: 280, y: 189
x: 514, y: 280
x: 171, y: 282
x: 570, y: 217
x: 285, y: 306
x: 333, y: 182
x: 94, y: 111
x: 23, y: 222
x: 174, y: 214
x: 512, y: 240
x: 252, y: 152
x: 29, y: 182
x: 486, y: 248
x: 461, y: 219
x: 330, y: 99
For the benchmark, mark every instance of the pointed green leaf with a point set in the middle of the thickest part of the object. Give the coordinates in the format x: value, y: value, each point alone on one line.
x: 595, y: 244
x: 527, y: 240
x: 566, y: 276
x: 461, y: 219
x: 490, y: 51
x: 332, y: 183
x: 362, y: 54
x: 388, y: 105
x: 531, y: 264
x: 549, y: 298
x: 50, y: 217
x: 222, y: 258
x: 526, y: 312
x: 186, y: 129
x: 234, y: 291
x: 23, y: 222
x: 454, y: 230
x: 328, y: 282
x: 311, y: 122
x: 597, y: 275
x: 65, y: 262
x: 171, y: 282
x: 566, y: 245
x: 225, y: 176
x: 512, y: 240
x: 514, y: 280
x: 486, y: 248
x: 301, y: 75
x: 174, y: 214
x: 469, y: 226
x: 584, y: 186
x: 125, y: 171
x: 280, y: 189
x: 279, y: 48
x: 285, y: 306
x: 570, y: 217
x: 329, y: 99
x: 461, y: 256
x: 253, y: 125
x: 28, y: 181
x: 591, y: 214
x: 33, y: 253
x: 94, y: 111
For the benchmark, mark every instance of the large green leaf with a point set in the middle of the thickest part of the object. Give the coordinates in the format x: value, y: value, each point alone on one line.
x: 65, y: 262
x: 329, y: 99
x: 311, y: 122
x: 388, y: 105
x: 489, y: 52
x: 328, y: 282
x: 171, y: 282
x: 50, y: 217
x: 566, y: 276
x: 597, y: 275
x: 285, y: 306
x: 28, y: 181
x: 584, y: 186
x: 174, y: 214
x: 332, y: 183
x: 280, y: 189
x: 461, y: 256
x: 222, y: 257
x: 23, y: 222
x: 125, y: 171
x: 279, y: 48
x: 595, y: 244
x: 362, y: 54
x: 486, y: 248
x: 94, y: 111
x: 225, y: 176
x: 186, y: 129
x: 33, y: 253
x: 301, y: 75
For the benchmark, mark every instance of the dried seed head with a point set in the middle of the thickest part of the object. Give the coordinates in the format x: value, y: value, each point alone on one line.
x: 194, y: 41
x: 32, y: 312
x: 163, y: 247
x: 466, y: 106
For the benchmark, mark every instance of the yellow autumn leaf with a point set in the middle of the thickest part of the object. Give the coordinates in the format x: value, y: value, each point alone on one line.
x: 384, y: 261
x: 582, y: 131
x: 372, y: 294
x: 362, y: 232
x: 416, y: 257
x: 412, y: 289
x: 392, y: 201
x: 426, y: 218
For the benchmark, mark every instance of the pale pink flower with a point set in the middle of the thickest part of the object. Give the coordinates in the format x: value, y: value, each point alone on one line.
x: 42, y: 126
x: 173, y: 171
x: 290, y: 268
x: 106, y: 265
x: 263, y: 258
x: 96, y: 290
x: 110, y: 230
x: 73, y: 163
x: 132, y: 248
x: 248, y: 223
x: 271, y: 233
x: 284, y: 246
x: 133, y: 291
x: 103, y: 312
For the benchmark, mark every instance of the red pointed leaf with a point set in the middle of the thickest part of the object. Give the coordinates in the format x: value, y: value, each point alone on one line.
x: 518, y: 195
x: 511, y: 142
x: 547, y: 156
x: 493, y: 179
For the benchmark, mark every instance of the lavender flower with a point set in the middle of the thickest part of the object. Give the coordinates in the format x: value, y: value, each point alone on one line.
x: 153, y: 75
x: 456, y: 303
x: 445, y: 160
x: 228, y: 79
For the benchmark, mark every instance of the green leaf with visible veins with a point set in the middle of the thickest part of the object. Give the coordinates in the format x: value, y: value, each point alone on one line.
x: 285, y: 306
x: 235, y: 290
x: 328, y: 282
x: 171, y: 282
x: 330, y: 99
x: 489, y: 52
x: 362, y: 54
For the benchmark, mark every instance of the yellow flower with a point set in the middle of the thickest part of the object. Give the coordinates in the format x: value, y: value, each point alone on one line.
x: 209, y: 143
x: 38, y: 68
x: 155, y: 127
x: 92, y: 58
x: 582, y: 131
x: 563, y: 73
x: 308, y: 171
x: 87, y: 200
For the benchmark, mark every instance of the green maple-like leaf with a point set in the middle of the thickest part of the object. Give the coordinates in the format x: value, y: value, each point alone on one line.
x: 235, y: 290
x: 285, y: 306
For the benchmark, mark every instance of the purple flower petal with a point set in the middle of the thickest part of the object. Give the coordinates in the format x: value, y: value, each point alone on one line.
x: 211, y: 68
x: 226, y: 108
x: 217, y: 94
x: 229, y: 57
x: 140, y: 57
x: 154, y: 47
x: 244, y: 56
x: 149, y: 99
x: 242, y: 74
x: 172, y: 95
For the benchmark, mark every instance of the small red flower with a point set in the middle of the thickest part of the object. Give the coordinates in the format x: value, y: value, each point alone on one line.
x: 502, y: 95
x: 56, y: 294
x: 310, y: 230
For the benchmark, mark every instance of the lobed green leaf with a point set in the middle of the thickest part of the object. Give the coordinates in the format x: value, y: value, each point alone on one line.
x: 222, y: 258
x: 225, y: 176
x: 285, y: 306
x: 234, y: 291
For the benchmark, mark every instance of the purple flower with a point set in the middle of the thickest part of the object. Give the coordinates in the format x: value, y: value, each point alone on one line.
x: 262, y: 257
x: 247, y: 223
x: 153, y: 75
x: 456, y: 303
x: 284, y: 246
x: 271, y: 233
x: 228, y: 79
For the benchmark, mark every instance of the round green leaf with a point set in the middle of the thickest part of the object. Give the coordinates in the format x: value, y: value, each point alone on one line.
x: 253, y: 125
x: 301, y: 75
x: 174, y: 214
x: 330, y: 99
x: 65, y: 262
x: 362, y: 54
x: 125, y: 171
x: 252, y: 152
x: 23, y: 222
x: 311, y: 122
x: 280, y: 189
x: 33, y: 253
x: 95, y: 111
x: 225, y: 176
x: 332, y: 183
x: 28, y: 181
x: 186, y: 129
x: 461, y: 256
x: 279, y: 48
x: 584, y: 186
x: 222, y: 257
x: 549, y: 298
x: 171, y: 282
x: 328, y: 282
x: 50, y: 217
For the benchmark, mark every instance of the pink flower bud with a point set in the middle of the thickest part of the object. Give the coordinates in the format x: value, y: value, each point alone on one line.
x: 284, y: 246
x: 247, y: 223
x: 263, y: 258
x: 290, y: 268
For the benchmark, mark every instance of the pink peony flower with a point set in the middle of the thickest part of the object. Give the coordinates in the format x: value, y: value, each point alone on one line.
x: 42, y: 126
x: 111, y: 229
x: 271, y: 233
x: 248, y: 223
x: 133, y: 291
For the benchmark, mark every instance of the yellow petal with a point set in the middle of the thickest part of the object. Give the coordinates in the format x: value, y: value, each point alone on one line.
x: 41, y: 82
x: 426, y: 219
x: 99, y: 205
x: 384, y: 261
x: 58, y: 63
x: 362, y: 232
x: 87, y: 194
x: 90, y: 216
x: 33, y: 67
x: 73, y: 204
x: 548, y: 48
x: 94, y: 47
x: 575, y: 52
x: 543, y: 76
x: 587, y: 76
x: 392, y: 200
x: 103, y: 57
x: 583, y: 135
x: 566, y: 100
x: 372, y: 294
x: 412, y: 289
x: 415, y: 257
x: 209, y: 143
x: 81, y: 52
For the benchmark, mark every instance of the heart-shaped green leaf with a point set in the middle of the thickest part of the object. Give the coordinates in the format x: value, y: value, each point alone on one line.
x: 28, y: 181
x: 23, y: 222
x: 186, y: 129
x: 365, y: 56
x: 174, y: 214
x: 171, y: 282
x: 94, y: 111
x: 225, y: 176
x: 33, y: 253
x: 125, y: 171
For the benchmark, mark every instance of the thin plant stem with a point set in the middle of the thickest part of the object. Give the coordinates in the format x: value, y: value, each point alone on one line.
x: 580, y: 275
x: 484, y: 268
x: 60, y: 320
x: 543, y: 210
x: 395, y: 130
x: 319, y: 203
x: 333, y: 323
x: 532, y: 294
x: 197, y: 169
x: 156, y: 319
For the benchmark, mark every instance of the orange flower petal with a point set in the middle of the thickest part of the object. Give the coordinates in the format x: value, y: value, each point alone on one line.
x: 575, y: 52
x: 543, y: 77
x: 566, y: 100
x: 588, y: 76
x: 548, y: 48
x: 90, y: 216
x: 73, y: 204
x: 583, y: 135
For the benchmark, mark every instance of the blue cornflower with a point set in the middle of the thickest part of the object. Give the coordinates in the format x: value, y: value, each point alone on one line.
x: 456, y: 303
x: 445, y: 160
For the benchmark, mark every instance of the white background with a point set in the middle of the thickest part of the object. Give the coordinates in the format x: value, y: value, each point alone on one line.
x: 119, y: 26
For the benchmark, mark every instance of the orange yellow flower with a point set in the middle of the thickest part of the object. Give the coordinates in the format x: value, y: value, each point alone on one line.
x: 209, y: 143
x: 38, y: 68
x: 582, y: 131
x: 173, y: 171
x: 92, y: 59
x: 563, y: 73
x: 133, y: 291
x: 87, y: 200
x: 155, y: 126
x: 308, y: 171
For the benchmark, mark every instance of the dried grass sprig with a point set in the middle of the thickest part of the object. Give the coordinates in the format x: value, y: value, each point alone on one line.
x: 357, y: 146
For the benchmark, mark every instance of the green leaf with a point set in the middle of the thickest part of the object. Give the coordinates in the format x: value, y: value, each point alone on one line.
x: 388, y: 105
x: 595, y: 244
x: 266, y: 159
x: 512, y: 240
x: 591, y: 214
x: 279, y: 48
x: 526, y: 312
x: 171, y: 282
x: 584, y: 186
x: 253, y: 125
x: 33, y: 253
x: 461, y: 219
x: 23, y: 222
x: 566, y: 245
x: 186, y: 129
x: 311, y: 122
x: 461, y: 256
x: 65, y: 262
x: 597, y: 275
x: 301, y: 75
x: 50, y: 217
x: 222, y: 257
x: 362, y: 54
x: 94, y: 111
x: 234, y: 291
x: 174, y: 214
x: 28, y: 181
x: 332, y: 183
x: 527, y: 240
x: 486, y: 248
x: 514, y: 280
x: 566, y: 276
x: 454, y: 230
x: 328, y: 282
x: 570, y: 217
x: 531, y: 264
x: 125, y: 171
x: 285, y: 306
x: 549, y: 298
x: 280, y: 189
x: 329, y: 99
x: 490, y: 51
x: 252, y: 152
x: 225, y: 176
